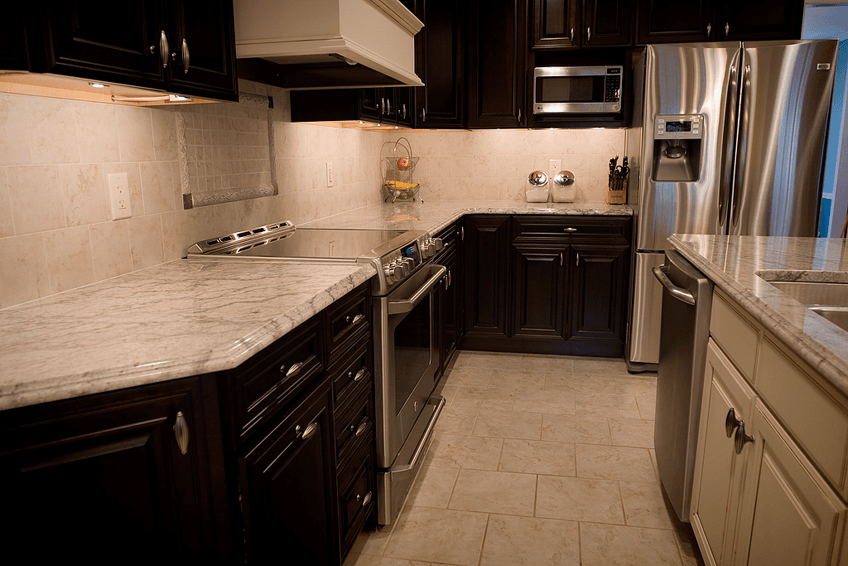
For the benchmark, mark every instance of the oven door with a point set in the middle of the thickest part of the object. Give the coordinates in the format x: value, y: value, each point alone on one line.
x: 407, y: 362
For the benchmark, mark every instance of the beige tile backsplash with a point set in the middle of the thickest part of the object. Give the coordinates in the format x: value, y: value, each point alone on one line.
x: 55, y: 156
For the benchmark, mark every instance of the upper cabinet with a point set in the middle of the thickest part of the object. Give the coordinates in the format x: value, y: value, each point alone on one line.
x: 182, y: 46
x: 571, y: 24
x: 497, y: 63
x: 13, y: 45
x: 667, y: 21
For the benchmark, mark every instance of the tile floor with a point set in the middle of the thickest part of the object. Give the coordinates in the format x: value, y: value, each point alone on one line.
x: 537, y: 461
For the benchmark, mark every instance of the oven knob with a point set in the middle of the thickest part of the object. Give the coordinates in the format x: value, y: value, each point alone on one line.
x: 429, y: 248
x: 438, y: 243
x: 399, y: 272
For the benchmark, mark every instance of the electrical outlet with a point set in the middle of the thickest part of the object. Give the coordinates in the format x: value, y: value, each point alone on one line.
x: 333, y: 248
x: 119, y: 195
x: 556, y: 167
x: 331, y: 180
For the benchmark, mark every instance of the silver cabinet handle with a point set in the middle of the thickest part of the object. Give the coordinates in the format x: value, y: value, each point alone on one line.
x: 310, y: 430
x: 388, y: 106
x: 726, y: 29
x: 569, y: 230
x: 709, y: 29
x: 577, y: 263
x: 163, y: 49
x: 462, y: 232
x: 571, y: 36
x: 732, y: 422
x: 365, y: 500
x: 355, y: 319
x: 292, y: 370
x: 423, y: 114
x: 561, y: 259
x: 404, y: 110
x: 185, y: 55
x: 359, y: 375
x: 361, y: 428
x: 588, y: 34
x: 741, y: 438
x: 677, y: 292
x: 519, y: 115
x: 181, y: 432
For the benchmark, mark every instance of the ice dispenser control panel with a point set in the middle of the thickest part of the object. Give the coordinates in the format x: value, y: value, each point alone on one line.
x: 678, y: 126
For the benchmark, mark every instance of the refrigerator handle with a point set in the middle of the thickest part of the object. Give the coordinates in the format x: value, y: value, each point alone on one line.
x: 728, y: 144
x: 741, y: 145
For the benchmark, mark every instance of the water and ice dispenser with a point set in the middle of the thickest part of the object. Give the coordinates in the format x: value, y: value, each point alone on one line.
x: 677, y: 147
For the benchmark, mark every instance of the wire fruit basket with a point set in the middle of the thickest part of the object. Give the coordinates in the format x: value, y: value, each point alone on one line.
x: 398, y: 174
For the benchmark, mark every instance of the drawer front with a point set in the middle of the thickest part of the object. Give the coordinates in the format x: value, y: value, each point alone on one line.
x: 352, y: 373
x: 346, y: 320
x: 262, y: 386
x: 813, y: 418
x: 737, y: 336
x: 356, y: 495
x: 353, y: 426
x: 573, y: 227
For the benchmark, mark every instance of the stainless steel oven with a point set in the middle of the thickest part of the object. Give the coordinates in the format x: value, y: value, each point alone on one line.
x: 406, y: 365
x: 406, y: 360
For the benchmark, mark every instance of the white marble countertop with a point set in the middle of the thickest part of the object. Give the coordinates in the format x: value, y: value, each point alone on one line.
x: 180, y: 319
x: 733, y: 264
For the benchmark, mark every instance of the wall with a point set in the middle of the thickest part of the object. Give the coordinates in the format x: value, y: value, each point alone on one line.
x: 55, y: 155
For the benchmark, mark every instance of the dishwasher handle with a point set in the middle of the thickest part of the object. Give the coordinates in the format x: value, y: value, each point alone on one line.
x: 660, y: 272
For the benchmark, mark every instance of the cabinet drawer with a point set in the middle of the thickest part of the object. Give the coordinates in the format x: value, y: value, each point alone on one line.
x: 573, y: 227
x: 346, y: 320
x: 737, y: 336
x: 813, y: 418
x: 356, y: 494
x: 352, y: 373
x: 353, y: 426
x: 260, y: 386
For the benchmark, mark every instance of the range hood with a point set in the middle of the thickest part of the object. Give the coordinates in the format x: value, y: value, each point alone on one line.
x: 308, y: 44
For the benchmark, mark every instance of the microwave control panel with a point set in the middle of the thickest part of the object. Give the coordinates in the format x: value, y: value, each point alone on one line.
x: 613, y: 85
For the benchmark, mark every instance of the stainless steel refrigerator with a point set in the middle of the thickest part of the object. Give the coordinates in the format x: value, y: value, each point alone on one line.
x: 727, y: 138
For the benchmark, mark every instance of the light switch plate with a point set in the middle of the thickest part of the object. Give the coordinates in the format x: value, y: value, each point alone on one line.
x: 330, y: 179
x: 119, y: 195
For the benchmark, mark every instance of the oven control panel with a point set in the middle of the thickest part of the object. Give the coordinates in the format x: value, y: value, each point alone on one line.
x: 400, y: 263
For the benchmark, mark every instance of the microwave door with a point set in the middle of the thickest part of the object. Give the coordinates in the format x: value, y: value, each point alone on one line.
x: 577, y: 90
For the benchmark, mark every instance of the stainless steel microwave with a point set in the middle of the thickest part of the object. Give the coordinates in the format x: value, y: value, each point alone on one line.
x: 577, y: 90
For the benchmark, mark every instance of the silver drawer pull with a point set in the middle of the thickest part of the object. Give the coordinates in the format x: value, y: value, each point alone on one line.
x: 361, y: 428
x: 292, y: 370
x: 163, y: 49
x: 181, y: 432
x: 310, y: 430
x: 569, y: 230
x: 355, y: 319
x: 359, y: 375
x: 365, y: 500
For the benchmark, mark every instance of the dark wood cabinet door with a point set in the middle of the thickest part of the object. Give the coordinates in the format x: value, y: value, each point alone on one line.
x: 104, y: 478
x: 99, y: 39
x: 203, y: 48
x: 448, y: 310
x: 13, y: 39
x: 440, y: 63
x: 556, y: 24
x: 486, y: 264
x: 598, y: 298
x: 670, y: 21
x: 539, y: 292
x: 287, y: 492
x: 607, y: 23
x: 370, y: 103
x: 748, y: 20
x: 404, y: 103
x: 497, y: 63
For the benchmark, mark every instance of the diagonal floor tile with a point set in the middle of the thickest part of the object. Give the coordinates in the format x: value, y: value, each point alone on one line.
x: 438, y: 535
x: 579, y: 499
x: 538, y: 457
x: 559, y: 402
x: 527, y: 541
x: 494, y: 492
x: 507, y: 424
x: 457, y: 451
x: 637, y: 433
x: 612, y: 545
x: 584, y: 430
x: 615, y: 463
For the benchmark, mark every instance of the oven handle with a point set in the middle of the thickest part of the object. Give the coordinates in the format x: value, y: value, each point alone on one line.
x: 439, y: 401
x: 402, y: 306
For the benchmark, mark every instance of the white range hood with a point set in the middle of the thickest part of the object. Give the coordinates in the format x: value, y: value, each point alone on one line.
x: 326, y: 43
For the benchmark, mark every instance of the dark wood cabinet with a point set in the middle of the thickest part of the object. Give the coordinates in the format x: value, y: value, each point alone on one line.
x: 497, y: 52
x: 135, y: 476
x: 440, y: 63
x: 286, y: 485
x: 183, y: 46
x: 486, y: 279
x: 540, y: 276
x: 451, y: 300
x: 13, y: 39
x: 671, y: 21
x: 386, y: 106
x: 571, y: 24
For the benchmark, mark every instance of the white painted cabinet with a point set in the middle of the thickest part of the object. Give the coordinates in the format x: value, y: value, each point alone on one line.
x: 769, y: 480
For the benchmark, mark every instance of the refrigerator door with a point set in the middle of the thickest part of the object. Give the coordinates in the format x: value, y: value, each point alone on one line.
x: 786, y: 92
x: 643, y: 341
x: 685, y: 79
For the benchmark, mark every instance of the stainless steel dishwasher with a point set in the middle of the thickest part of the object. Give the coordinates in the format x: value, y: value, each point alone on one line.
x: 685, y: 330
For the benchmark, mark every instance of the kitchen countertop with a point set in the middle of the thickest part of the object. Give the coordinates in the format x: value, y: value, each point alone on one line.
x: 181, y: 319
x: 733, y: 264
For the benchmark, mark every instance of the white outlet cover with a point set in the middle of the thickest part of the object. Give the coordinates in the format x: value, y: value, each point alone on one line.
x: 119, y: 195
x: 555, y: 167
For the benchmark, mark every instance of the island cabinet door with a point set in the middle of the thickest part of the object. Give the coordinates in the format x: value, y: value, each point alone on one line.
x: 789, y: 515
x: 726, y: 404
x: 127, y: 477
x: 286, y: 484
